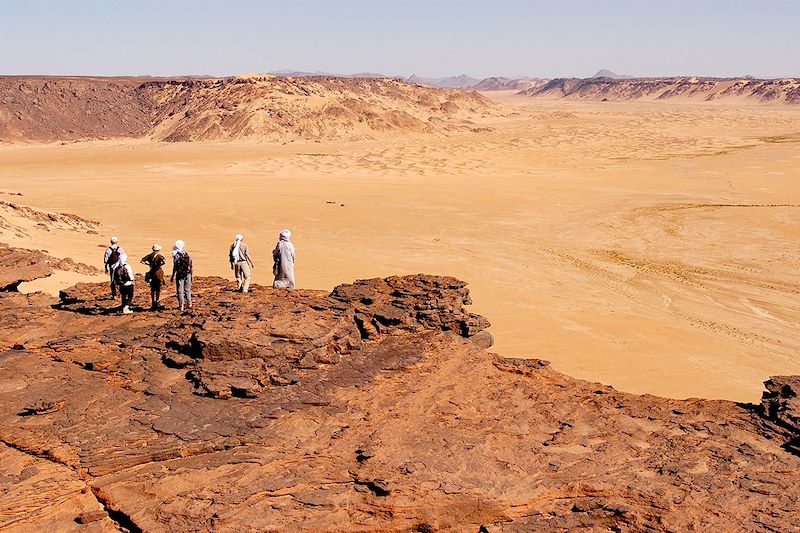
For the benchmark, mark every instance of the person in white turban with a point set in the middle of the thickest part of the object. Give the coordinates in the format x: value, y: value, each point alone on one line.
x: 241, y: 263
x: 111, y: 262
x: 283, y: 266
x: 124, y: 279
x: 182, y: 274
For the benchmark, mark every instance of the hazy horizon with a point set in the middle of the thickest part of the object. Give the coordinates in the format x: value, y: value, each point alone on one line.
x: 432, y: 39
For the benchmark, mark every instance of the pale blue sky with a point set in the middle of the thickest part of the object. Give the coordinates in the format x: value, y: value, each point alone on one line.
x: 430, y: 38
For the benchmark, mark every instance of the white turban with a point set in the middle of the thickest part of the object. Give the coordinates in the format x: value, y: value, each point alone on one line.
x: 178, y: 248
x: 285, y: 235
x: 114, y: 240
x: 235, y: 251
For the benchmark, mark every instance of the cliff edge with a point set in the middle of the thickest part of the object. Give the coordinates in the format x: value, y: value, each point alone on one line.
x: 374, y: 407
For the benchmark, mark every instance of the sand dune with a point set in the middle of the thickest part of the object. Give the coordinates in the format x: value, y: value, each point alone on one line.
x: 700, y: 89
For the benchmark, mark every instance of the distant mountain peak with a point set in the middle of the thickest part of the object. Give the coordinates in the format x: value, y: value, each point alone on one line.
x: 605, y: 73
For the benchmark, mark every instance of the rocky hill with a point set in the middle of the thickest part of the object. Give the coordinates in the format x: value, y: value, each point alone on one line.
x: 44, y: 108
x: 786, y: 90
x: 256, y: 108
x: 506, y: 84
x: 461, y: 81
x: 375, y: 407
x: 605, y: 73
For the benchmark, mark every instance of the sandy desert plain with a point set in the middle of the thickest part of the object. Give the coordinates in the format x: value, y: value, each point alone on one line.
x: 651, y: 246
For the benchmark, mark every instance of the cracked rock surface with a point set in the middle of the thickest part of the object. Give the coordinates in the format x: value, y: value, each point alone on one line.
x: 375, y: 407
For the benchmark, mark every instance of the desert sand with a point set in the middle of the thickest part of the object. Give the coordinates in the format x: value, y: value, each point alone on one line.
x: 646, y: 245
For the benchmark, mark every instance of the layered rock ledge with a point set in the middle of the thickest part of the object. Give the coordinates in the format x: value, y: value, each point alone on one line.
x: 18, y: 266
x: 375, y: 407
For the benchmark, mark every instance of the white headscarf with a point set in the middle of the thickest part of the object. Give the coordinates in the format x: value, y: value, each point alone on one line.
x: 178, y: 248
x: 237, y: 240
x: 285, y: 235
x: 114, y: 240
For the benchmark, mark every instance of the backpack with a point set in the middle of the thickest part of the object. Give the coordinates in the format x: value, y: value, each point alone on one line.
x: 113, y: 257
x: 181, y: 267
x: 121, y: 275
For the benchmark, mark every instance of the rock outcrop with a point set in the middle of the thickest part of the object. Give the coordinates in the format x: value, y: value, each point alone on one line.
x: 781, y: 404
x: 507, y: 84
x: 371, y: 408
x: 266, y: 108
x: 701, y: 89
x: 18, y: 266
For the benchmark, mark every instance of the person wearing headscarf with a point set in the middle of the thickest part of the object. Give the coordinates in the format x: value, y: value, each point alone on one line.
x: 177, y: 248
x: 182, y: 274
x: 155, y: 276
x: 283, y: 266
x: 124, y: 279
x: 241, y: 263
x: 111, y: 262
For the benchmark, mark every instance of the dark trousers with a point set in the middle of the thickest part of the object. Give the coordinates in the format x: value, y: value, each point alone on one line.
x: 126, y: 291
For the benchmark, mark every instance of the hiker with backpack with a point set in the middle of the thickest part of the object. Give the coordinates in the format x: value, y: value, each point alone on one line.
x: 123, y: 277
x: 241, y: 263
x: 155, y: 276
x: 111, y: 262
x: 182, y: 274
x: 283, y: 257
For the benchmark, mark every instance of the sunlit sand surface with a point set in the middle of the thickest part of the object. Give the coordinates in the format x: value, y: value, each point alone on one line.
x: 651, y: 246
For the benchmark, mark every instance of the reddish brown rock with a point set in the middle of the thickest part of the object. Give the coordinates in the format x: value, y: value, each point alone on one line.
x: 781, y: 404
x: 18, y: 266
x: 91, y: 516
x: 367, y: 409
x: 42, y: 407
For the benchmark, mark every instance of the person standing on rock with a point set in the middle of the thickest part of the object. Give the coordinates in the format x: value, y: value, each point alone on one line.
x: 123, y: 276
x: 283, y: 257
x: 182, y: 274
x: 155, y: 276
x: 241, y: 263
x: 111, y: 262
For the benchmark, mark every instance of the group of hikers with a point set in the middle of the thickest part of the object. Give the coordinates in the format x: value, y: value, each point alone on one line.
x: 121, y: 276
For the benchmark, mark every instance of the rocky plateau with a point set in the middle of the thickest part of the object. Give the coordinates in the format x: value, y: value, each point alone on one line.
x: 264, y: 108
x: 375, y: 407
x: 690, y: 88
